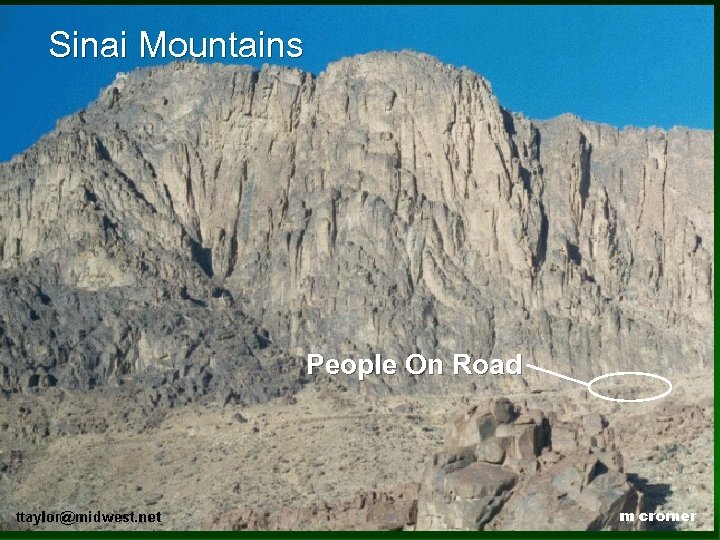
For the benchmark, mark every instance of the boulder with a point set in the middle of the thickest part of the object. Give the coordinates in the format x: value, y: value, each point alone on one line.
x: 524, y: 474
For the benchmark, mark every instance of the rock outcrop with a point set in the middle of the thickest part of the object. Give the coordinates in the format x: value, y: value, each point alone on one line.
x: 502, y: 468
x: 368, y: 511
x: 506, y: 471
x: 201, y: 220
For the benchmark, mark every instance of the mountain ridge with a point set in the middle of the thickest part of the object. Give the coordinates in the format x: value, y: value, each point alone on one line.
x: 314, y: 75
x: 389, y: 205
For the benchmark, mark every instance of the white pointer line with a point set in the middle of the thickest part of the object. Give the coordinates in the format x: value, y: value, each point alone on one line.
x: 557, y: 374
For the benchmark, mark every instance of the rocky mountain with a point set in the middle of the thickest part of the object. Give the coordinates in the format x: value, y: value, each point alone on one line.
x: 203, y: 227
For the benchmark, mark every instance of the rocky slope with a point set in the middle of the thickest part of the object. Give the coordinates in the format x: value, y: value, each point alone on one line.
x: 201, y: 220
x: 340, y: 460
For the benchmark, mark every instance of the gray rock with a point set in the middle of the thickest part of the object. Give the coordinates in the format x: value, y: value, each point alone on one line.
x: 390, y: 204
x: 492, y: 450
x: 528, y: 442
x: 592, y: 423
x: 152, y: 498
x: 470, y: 428
x: 487, y: 486
x: 478, y: 480
x: 503, y: 411
x: 564, y: 438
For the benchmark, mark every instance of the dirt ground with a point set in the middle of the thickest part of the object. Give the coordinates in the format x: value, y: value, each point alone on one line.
x: 325, y: 445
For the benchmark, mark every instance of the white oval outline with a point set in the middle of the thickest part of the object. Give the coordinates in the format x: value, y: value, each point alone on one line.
x: 619, y: 373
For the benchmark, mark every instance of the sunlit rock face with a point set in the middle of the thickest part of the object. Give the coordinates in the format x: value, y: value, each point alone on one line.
x: 207, y: 226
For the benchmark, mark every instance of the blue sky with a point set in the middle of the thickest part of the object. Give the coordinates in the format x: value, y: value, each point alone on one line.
x: 620, y: 65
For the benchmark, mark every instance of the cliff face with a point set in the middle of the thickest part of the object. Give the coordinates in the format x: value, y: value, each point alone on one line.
x: 203, y: 220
